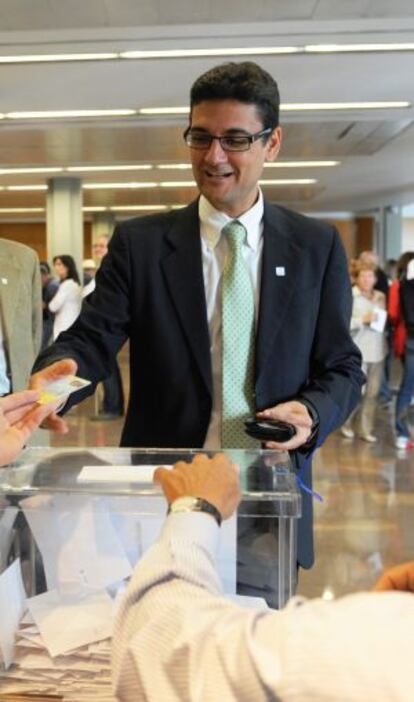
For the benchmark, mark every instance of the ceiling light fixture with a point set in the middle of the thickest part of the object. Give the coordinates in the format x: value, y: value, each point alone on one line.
x: 20, y: 210
x: 137, y: 208
x: 63, y: 114
x: 178, y: 184
x: 93, y: 169
x: 174, y: 166
x: 18, y: 171
x: 349, y: 48
x: 301, y: 164
x: 56, y: 58
x: 118, y: 186
x: 26, y: 187
x: 317, y: 106
x: 289, y: 181
x: 194, y: 53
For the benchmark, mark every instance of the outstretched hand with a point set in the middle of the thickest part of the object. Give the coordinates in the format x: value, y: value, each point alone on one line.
x: 20, y: 416
x: 400, y: 577
x: 57, y: 370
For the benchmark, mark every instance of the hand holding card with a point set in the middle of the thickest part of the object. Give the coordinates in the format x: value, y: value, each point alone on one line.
x: 60, y: 389
x: 42, y: 380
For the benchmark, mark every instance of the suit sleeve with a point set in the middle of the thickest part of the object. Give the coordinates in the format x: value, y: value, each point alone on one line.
x: 103, y: 324
x: 335, y: 375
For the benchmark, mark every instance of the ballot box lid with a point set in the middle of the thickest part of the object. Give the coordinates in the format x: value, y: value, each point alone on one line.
x: 266, y: 477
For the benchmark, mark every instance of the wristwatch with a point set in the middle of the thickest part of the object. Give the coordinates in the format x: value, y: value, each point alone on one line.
x: 194, y: 504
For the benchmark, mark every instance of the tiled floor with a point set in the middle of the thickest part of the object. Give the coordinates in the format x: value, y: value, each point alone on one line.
x: 366, y: 519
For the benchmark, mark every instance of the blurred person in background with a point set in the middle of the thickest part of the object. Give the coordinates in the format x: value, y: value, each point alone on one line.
x: 401, y: 311
x: 89, y: 272
x: 20, y: 314
x: 50, y: 287
x: 367, y: 330
x: 100, y: 248
x: 381, y: 282
x: 67, y: 302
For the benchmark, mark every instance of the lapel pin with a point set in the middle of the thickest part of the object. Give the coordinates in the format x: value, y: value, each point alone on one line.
x: 4, y: 281
x: 280, y: 271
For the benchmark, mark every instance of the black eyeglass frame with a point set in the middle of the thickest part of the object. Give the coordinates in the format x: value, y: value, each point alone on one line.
x: 250, y: 138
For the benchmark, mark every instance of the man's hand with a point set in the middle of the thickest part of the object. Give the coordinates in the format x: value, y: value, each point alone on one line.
x: 401, y: 577
x: 213, y: 479
x: 295, y: 413
x: 19, y: 417
x: 67, y: 366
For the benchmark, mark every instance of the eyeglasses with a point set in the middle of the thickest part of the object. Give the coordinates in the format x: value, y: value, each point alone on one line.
x: 230, y: 142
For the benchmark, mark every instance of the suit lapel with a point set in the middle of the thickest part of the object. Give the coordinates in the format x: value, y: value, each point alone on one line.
x: 279, y: 277
x: 9, y: 287
x: 183, y: 272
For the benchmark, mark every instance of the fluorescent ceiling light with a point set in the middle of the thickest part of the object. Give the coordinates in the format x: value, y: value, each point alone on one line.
x: 120, y: 186
x: 93, y: 208
x: 14, y: 171
x: 178, y: 184
x: 348, y: 48
x: 137, y: 208
x: 91, y: 169
x: 26, y: 187
x: 60, y: 114
x: 164, y: 110
x: 193, y: 53
x: 20, y: 210
x: 317, y: 106
x: 294, y: 106
x: 301, y: 164
x: 45, y: 58
x: 289, y: 181
x: 174, y: 166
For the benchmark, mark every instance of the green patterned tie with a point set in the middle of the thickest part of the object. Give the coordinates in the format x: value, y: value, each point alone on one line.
x: 237, y: 342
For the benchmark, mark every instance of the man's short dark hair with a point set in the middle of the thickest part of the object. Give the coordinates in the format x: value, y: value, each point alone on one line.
x: 246, y: 82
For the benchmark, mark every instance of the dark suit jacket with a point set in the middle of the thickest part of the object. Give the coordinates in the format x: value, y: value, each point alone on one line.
x: 150, y: 288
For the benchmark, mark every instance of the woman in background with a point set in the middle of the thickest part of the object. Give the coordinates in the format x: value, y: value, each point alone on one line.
x: 367, y: 330
x: 67, y: 302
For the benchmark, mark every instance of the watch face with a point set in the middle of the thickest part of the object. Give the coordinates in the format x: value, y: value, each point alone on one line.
x: 184, y: 503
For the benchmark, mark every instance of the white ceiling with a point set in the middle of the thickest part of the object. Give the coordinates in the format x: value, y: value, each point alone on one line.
x: 376, y: 149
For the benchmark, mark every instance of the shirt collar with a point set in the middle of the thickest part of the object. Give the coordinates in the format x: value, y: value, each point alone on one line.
x: 212, y: 222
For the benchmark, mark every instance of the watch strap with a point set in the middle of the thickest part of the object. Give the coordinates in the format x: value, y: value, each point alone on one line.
x: 195, y: 504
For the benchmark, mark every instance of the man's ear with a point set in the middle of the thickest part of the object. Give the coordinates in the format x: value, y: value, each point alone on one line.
x: 273, y: 144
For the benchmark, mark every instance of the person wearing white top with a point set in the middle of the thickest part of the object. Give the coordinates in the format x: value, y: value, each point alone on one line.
x: 177, y: 638
x: 368, y: 332
x: 67, y: 302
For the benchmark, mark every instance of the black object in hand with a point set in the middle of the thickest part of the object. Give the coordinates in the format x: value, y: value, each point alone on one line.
x: 269, y: 430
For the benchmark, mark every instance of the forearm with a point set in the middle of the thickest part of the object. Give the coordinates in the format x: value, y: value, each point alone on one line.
x: 175, y: 637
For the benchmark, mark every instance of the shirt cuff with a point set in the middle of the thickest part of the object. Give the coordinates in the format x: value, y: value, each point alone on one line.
x: 196, y: 528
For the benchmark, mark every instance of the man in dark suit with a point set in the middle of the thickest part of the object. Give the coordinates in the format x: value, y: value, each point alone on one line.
x: 160, y: 286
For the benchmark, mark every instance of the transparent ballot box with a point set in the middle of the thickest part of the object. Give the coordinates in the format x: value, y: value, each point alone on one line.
x: 73, y: 524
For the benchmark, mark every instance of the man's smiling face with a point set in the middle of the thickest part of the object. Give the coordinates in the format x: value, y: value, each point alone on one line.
x: 228, y: 179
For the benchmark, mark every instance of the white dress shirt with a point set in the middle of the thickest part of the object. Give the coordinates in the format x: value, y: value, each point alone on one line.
x: 177, y: 639
x: 66, y: 305
x: 214, y: 251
